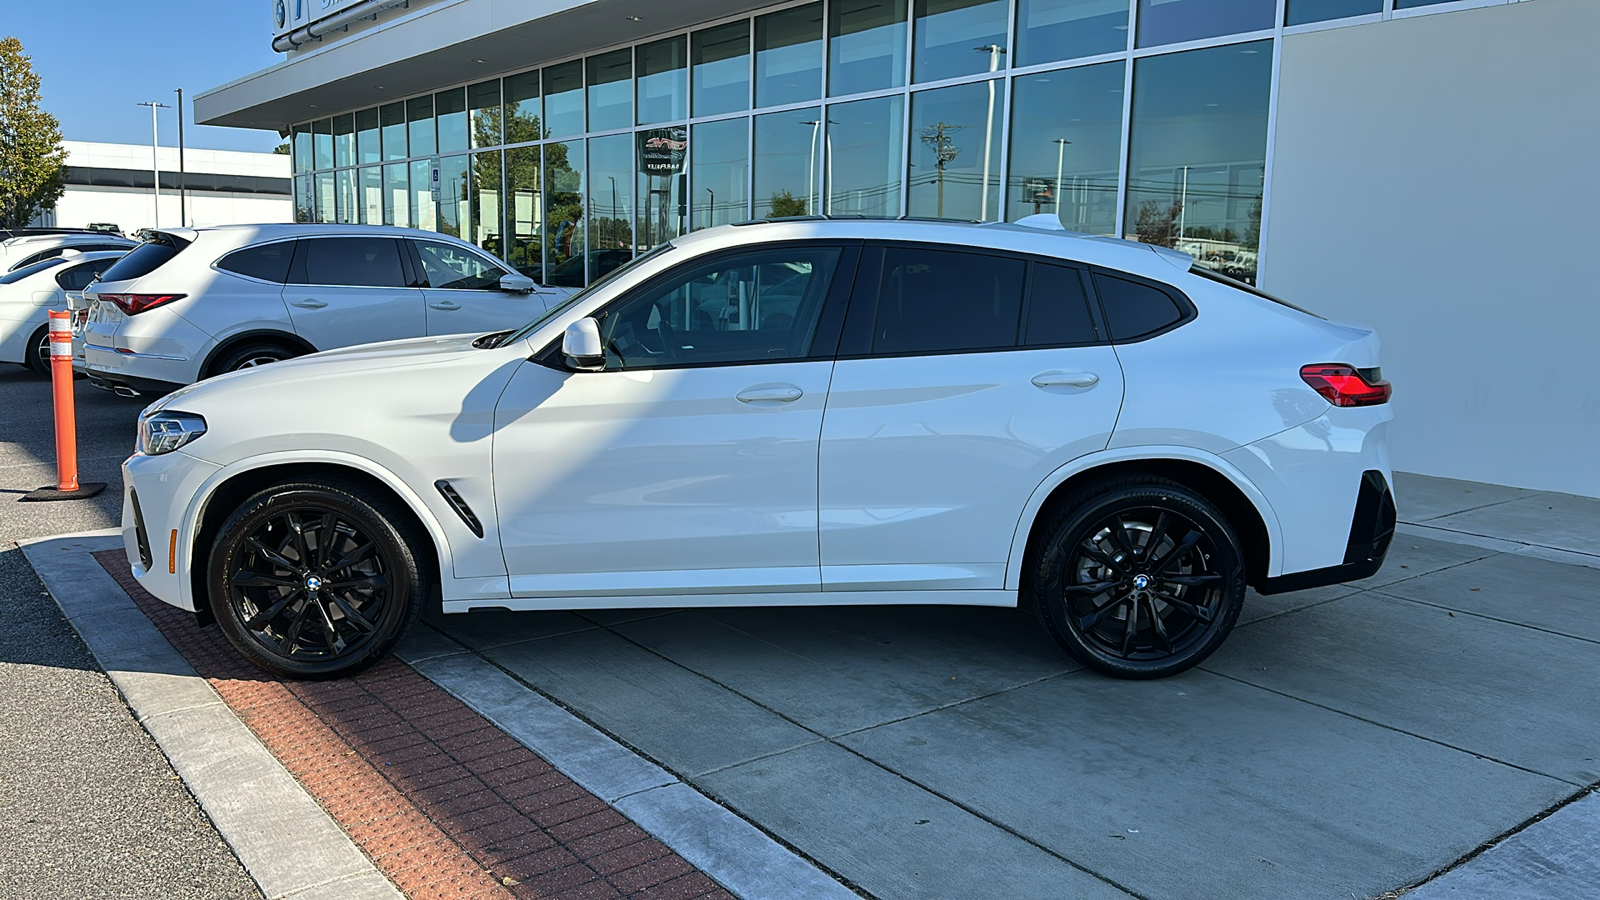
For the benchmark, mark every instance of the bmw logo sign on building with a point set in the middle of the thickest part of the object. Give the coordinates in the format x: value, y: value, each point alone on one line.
x: 280, y: 14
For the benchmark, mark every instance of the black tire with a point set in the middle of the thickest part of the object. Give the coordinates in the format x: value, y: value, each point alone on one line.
x: 353, y: 595
x: 1143, y: 544
x: 248, y: 356
x: 38, y: 352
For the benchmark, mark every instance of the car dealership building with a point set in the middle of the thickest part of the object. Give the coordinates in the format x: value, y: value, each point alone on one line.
x: 1422, y: 166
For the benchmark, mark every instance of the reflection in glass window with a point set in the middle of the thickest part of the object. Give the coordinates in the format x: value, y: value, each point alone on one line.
x: 371, y: 186
x: 483, y: 112
x: 1066, y: 145
x: 345, y: 196
x: 522, y: 109
x: 1197, y: 154
x: 484, y: 224
x: 955, y: 152
x: 610, y: 201
x: 958, y: 37
x: 396, y: 195
x: 1300, y: 12
x: 1048, y: 30
x: 344, y: 140
x: 866, y: 45
x: 611, y: 90
x: 786, y: 163
x: 789, y: 56
x: 302, y: 148
x: 563, y: 214
x: 449, y: 267
x: 864, y: 140
x: 563, y: 100
x: 422, y: 211
x: 368, y: 149
x: 322, y: 143
x: 455, y: 197
x: 933, y: 301
x: 419, y: 126
x: 305, y: 198
x: 326, y: 211
x: 450, y: 108
x: 392, y: 119
x: 663, y: 159
x: 721, y: 68
x: 663, y: 94
x: 720, y: 156
x: 1171, y: 21
x: 525, y: 212
x: 1413, y: 4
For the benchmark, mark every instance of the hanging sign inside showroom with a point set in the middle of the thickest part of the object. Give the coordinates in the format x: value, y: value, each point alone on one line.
x: 433, y: 178
x: 662, y: 151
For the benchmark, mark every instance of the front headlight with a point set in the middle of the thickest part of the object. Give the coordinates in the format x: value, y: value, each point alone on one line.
x: 163, y: 432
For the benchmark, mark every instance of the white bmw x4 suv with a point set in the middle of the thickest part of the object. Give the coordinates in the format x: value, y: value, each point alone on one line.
x: 194, y: 302
x: 788, y: 413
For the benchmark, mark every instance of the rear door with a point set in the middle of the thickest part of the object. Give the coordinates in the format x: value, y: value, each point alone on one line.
x: 462, y: 291
x: 352, y: 290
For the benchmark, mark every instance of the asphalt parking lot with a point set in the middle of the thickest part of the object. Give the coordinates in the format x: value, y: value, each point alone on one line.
x: 1345, y: 742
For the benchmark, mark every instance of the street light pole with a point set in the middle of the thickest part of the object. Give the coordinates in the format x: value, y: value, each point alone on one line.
x: 1061, y: 147
x: 994, y: 51
x: 155, y: 160
x: 183, y: 188
x: 811, y: 170
x: 711, y: 211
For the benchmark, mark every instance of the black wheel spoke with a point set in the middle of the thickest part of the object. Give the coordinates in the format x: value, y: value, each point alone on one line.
x: 247, y: 578
x: 1119, y: 537
x: 1160, y: 628
x: 1184, y: 546
x: 351, y: 558
x: 1130, y: 627
x: 260, y: 619
x: 271, y: 555
x: 355, y: 618
x: 291, y: 635
x: 365, y: 581
x: 1199, y: 612
x: 295, y: 527
x: 1091, y: 589
x: 330, y: 630
x: 1157, y: 531
x: 1099, y: 556
x: 1190, y: 580
x: 326, y: 535
x: 1089, y: 622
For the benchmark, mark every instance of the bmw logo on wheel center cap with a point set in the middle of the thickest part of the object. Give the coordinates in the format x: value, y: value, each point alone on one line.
x: 1140, y: 582
x: 313, y: 583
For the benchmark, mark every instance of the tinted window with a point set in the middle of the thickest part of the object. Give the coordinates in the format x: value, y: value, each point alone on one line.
x: 934, y: 300
x: 145, y: 258
x: 17, y: 274
x: 457, y: 268
x: 78, y: 277
x: 268, y: 262
x: 1058, y: 308
x: 354, y: 262
x: 1134, y: 310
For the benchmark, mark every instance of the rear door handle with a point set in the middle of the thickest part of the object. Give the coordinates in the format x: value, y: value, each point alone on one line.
x: 444, y: 304
x: 1069, y: 379
x: 309, y: 303
x: 786, y: 394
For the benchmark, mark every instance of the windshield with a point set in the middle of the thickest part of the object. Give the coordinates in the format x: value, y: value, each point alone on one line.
x: 528, y: 329
x: 17, y: 275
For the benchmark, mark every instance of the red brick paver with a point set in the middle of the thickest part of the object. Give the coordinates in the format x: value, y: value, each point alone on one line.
x: 445, y: 803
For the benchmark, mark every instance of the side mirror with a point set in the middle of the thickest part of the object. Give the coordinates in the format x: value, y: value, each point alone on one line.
x: 516, y: 283
x: 581, y: 346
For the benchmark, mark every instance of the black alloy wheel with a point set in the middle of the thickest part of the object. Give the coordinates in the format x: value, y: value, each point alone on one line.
x: 314, y: 580
x: 1138, y: 577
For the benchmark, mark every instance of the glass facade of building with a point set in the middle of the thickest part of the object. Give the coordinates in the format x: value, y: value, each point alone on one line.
x: 961, y: 109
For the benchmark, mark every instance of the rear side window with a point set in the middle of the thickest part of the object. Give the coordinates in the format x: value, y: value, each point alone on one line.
x: 268, y: 262
x: 145, y: 258
x: 1058, y: 308
x: 16, y: 275
x: 353, y: 262
x: 936, y: 301
x: 78, y: 277
x: 1134, y: 310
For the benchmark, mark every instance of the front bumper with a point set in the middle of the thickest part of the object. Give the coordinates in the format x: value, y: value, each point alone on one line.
x: 160, y: 511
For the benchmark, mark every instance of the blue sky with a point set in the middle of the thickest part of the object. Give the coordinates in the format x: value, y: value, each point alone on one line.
x: 98, y: 58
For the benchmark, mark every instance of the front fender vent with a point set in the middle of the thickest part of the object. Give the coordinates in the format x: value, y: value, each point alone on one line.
x: 460, y: 506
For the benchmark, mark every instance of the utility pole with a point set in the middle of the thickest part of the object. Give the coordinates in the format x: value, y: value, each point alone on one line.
x: 183, y: 187
x: 944, y: 152
x: 155, y: 160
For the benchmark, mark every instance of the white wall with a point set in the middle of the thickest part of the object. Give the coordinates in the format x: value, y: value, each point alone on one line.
x: 134, y: 208
x: 1438, y: 177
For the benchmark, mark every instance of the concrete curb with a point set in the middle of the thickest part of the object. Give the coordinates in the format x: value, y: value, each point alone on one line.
x: 1500, y: 545
x: 1551, y: 859
x: 284, y: 839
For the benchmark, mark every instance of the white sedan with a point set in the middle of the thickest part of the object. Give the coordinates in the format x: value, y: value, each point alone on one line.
x: 28, y: 294
x: 783, y: 413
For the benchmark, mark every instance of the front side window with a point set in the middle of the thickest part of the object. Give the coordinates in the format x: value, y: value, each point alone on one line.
x: 450, y: 267
x: 353, y: 262
x: 938, y: 301
x: 750, y: 308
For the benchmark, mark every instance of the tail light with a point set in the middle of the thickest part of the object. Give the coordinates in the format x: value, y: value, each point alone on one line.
x: 133, y: 304
x: 1344, y: 385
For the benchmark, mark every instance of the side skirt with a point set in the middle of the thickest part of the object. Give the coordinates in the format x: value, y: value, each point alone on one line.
x: 808, y: 598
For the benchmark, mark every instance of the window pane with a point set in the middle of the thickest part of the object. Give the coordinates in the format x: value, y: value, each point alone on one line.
x: 933, y: 301
x: 663, y: 92
x: 305, y: 198
x: 345, y: 196
x: 610, y: 203
x: 753, y: 308
x: 786, y: 163
x: 955, y: 152
x: 563, y: 100
x: 449, y: 267
x: 866, y: 45
x: 1058, y: 308
x: 451, y: 109
x: 483, y: 111
x: 1134, y: 310
x: 419, y: 126
x: 1197, y: 153
x: 720, y: 154
x: 1171, y: 21
x: 302, y: 148
x: 392, y: 119
x: 486, y: 191
x: 1066, y: 142
x: 354, y: 262
x: 396, y: 195
x: 721, y: 69
x: 367, y: 147
x: 1413, y: 4
x: 865, y: 139
x: 268, y: 262
x: 789, y: 56
x: 344, y: 140
x: 1302, y: 11
x: 563, y: 234
x: 371, y: 178
x: 322, y: 143
x: 455, y: 197
x: 611, y: 90
x: 327, y: 212
x: 1048, y: 30
x: 959, y: 37
x: 421, y: 200
x: 525, y: 212
x: 663, y: 155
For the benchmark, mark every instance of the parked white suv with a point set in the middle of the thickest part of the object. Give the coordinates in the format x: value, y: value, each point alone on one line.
x: 795, y: 412
x: 25, y: 250
x: 191, y: 303
x: 28, y: 294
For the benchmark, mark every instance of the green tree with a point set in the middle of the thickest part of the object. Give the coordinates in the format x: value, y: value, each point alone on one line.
x: 784, y: 204
x: 282, y: 149
x: 1158, y: 223
x: 31, y: 155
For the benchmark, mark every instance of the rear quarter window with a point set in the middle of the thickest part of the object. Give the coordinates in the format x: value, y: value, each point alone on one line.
x: 268, y: 262
x: 145, y: 258
x: 17, y: 274
x: 1134, y: 309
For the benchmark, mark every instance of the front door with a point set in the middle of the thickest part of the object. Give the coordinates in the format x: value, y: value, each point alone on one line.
x: 689, y: 465
x: 352, y: 290
x: 462, y: 292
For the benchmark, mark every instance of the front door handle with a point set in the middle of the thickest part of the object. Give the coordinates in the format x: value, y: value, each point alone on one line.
x: 1069, y: 379
x: 309, y: 303
x: 785, y: 394
x: 444, y: 304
